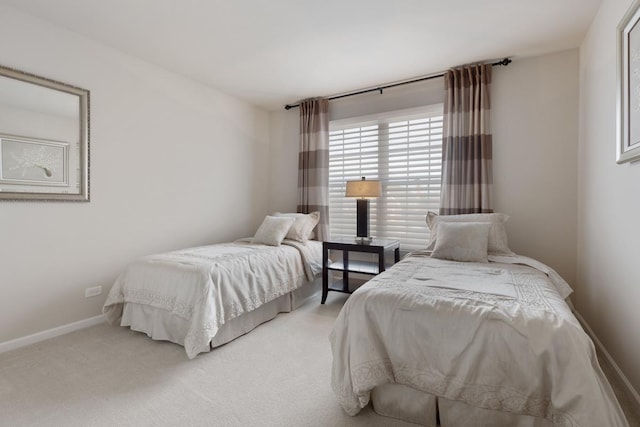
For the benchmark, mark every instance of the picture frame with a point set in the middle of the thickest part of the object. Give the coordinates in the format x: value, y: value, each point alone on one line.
x: 33, y: 162
x: 628, y: 99
x: 44, y: 139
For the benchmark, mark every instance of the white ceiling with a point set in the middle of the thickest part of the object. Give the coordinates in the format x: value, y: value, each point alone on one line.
x: 274, y: 52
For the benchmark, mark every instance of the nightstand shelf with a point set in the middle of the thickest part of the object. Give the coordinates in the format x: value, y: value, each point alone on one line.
x: 363, y: 267
x: 346, y: 266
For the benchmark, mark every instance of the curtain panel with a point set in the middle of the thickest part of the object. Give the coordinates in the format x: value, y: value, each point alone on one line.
x: 313, y: 162
x: 467, y: 169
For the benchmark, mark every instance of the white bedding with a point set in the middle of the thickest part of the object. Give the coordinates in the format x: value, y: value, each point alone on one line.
x: 511, y: 344
x: 210, y: 285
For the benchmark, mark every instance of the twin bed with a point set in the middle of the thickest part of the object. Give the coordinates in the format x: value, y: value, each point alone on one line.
x: 206, y: 296
x: 463, y: 336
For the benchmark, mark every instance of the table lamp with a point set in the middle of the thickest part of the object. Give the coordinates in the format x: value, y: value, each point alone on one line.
x: 363, y: 190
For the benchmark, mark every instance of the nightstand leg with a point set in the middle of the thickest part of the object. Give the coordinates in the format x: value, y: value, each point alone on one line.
x: 325, y: 274
x: 345, y: 272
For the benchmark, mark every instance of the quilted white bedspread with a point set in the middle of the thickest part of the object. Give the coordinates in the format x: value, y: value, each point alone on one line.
x: 493, y: 335
x: 210, y: 285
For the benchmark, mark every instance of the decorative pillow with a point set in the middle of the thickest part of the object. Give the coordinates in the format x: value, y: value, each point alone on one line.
x: 302, y: 228
x: 462, y: 241
x: 273, y: 230
x: 498, y: 244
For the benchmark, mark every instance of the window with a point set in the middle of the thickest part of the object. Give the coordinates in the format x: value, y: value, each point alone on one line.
x: 403, y: 150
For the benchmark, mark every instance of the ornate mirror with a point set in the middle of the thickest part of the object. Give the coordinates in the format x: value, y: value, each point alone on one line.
x: 44, y: 139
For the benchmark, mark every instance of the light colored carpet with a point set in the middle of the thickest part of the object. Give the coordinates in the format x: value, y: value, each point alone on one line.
x: 277, y: 375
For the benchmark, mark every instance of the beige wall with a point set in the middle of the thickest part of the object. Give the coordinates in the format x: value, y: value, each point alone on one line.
x: 535, y: 122
x: 608, y: 288
x: 173, y: 164
x: 535, y: 134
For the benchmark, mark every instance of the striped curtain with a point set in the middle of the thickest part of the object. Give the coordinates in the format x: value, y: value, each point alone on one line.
x: 467, y: 176
x: 313, y: 162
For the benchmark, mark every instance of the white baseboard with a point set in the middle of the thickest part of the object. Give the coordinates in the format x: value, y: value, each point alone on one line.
x: 632, y: 391
x: 51, y: 333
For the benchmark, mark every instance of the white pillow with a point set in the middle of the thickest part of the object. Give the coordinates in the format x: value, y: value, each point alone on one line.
x: 462, y: 241
x: 498, y: 243
x: 302, y: 228
x: 273, y: 230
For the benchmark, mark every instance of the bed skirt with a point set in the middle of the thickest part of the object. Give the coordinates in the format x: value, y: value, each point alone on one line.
x: 161, y: 325
x: 408, y: 404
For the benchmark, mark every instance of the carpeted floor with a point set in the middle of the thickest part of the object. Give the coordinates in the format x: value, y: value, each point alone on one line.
x: 277, y: 375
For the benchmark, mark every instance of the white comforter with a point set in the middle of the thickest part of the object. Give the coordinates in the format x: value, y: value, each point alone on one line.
x: 493, y: 335
x: 210, y: 285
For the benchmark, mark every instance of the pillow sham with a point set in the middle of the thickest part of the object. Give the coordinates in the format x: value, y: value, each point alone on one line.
x: 273, y: 230
x: 498, y: 243
x: 302, y: 228
x: 462, y: 241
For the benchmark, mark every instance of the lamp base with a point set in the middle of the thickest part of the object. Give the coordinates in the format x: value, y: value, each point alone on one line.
x: 363, y: 240
x: 362, y: 218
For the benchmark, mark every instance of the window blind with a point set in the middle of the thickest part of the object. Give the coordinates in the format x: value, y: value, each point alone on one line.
x: 403, y: 150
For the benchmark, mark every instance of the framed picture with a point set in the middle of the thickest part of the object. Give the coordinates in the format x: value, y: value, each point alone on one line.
x: 44, y: 139
x: 628, y: 110
x: 33, y: 162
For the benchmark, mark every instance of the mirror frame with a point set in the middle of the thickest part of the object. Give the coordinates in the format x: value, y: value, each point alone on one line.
x: 83, y: 156
x: 628, y: 142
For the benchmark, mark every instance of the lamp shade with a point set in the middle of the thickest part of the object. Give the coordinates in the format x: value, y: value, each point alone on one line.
x: 363, y: 188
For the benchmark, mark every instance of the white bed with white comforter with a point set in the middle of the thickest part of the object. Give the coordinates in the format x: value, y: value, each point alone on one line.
x: 206, y: 296
x: 470, y: 343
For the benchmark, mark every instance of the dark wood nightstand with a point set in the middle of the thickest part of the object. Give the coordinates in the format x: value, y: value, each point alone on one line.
x: 346, y: 245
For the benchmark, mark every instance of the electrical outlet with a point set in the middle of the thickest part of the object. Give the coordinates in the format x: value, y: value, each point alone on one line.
x: 92, y: 292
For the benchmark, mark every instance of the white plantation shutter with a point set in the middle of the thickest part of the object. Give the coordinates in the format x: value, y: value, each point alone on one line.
x: 403, y: 150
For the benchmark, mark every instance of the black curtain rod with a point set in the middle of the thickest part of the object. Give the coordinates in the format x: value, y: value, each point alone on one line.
x: 505, y: 61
